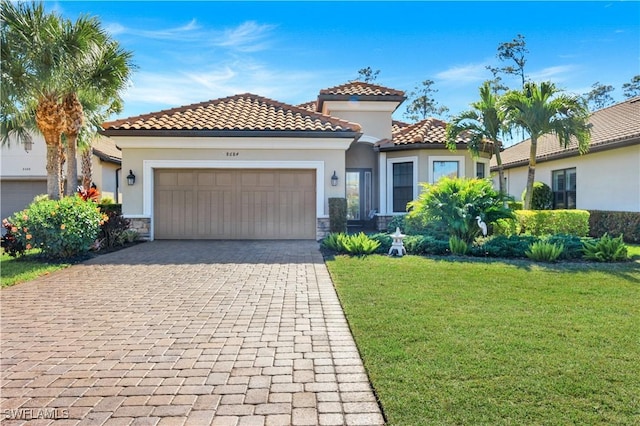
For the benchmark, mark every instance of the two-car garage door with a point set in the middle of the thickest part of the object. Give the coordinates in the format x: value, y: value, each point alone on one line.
x: 234, y: 204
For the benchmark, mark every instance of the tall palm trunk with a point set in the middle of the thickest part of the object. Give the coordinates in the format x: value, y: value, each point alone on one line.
x: 87, y: 167
x: 531, y: 175
x: 74, y: 121
x: 500, y: 169
x: 50, y: 120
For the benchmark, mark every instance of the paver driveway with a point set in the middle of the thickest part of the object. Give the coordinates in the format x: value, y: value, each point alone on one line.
x: 193, y: 332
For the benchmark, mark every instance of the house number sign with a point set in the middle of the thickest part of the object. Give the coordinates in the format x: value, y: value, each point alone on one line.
x: 232, y: 154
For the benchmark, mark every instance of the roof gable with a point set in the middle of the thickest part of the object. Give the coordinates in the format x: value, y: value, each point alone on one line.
x: 232, y: 116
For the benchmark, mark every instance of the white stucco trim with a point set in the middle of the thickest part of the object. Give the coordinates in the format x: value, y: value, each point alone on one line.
x: 368, y: 139
x: 148, y: 166
x: 382, y: 184
x: 389, y: 174
x: 458, y: 158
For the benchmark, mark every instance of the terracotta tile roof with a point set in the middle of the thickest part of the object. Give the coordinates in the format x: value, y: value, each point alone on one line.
x: 106, y: 150
x: 359, y: 88
x: 611, y: 126
x: 236, y: 114
x: 310, y: 106
x: 398, y: 125
x: 429, y: 133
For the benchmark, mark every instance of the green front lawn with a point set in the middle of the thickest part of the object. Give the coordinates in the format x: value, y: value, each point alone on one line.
x: 28, y: 267
x: 468, y: 341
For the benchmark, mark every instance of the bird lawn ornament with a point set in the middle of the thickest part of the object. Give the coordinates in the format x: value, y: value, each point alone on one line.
x: 482, y: 225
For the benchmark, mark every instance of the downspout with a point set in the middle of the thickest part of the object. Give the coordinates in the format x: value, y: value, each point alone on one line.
x: 117, y: 186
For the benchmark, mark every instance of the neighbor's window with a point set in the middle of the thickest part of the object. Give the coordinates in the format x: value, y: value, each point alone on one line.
x: 445, y: 168
x: 480, y: 174
x: 564, y: 188
x: 402, y: 186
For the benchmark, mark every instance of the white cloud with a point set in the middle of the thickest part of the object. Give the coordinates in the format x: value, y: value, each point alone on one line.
x: 168, y: 89
x: 557, y: 73
x: 464, y: 74
x: 247, y: 37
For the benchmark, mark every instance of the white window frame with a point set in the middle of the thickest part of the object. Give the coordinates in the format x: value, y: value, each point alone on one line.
x: 459, y: 159
x: 486, y: 168
x: 390, y: 163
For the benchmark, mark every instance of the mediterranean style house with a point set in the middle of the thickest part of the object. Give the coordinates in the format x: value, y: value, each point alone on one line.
x: 24, y: 174
x: 248, y: 167
x: 606, y: 178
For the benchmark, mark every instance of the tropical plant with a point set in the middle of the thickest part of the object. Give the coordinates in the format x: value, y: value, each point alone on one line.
x: 358, y: 244
x: 458, y: 246
x: 480, y: 127
x: 50, y: 65
x: 541, y: 109
x: 544, y: 251
x: 455, y: 203
x: 606, y: 249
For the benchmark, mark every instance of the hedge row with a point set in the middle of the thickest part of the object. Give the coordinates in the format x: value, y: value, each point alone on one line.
x: 615, y: 223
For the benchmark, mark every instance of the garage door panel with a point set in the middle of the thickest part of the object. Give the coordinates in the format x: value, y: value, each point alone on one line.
x: 235, y: 204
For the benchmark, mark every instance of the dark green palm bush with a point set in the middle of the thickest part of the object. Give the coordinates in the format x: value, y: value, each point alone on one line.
x: 454, y: 205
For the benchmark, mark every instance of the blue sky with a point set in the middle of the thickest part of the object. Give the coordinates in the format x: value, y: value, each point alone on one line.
x: 189, y: 52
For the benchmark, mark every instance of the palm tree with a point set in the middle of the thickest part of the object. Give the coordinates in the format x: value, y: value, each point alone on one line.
x: 481, y: 125
x: 48, y: 62
x: 540, y: 110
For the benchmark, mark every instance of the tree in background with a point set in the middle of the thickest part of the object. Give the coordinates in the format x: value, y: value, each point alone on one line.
x: 483, y: 124
x: 511, y: 51
x: 422, y: 104
x: 599, y: 96
x: 49, y: 64
x: 367, y: 75
x: 542, y: 109
x: 632, y: 88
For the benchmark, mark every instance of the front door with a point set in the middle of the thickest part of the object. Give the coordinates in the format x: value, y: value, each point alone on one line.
x: 359, y: 200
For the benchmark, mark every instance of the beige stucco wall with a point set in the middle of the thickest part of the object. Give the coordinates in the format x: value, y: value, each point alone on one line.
x: 278, y: 151
x: 374, y: 117
x: 104, y: 176
x: 606, y: 180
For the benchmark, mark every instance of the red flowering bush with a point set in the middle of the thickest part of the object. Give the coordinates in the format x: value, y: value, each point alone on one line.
x: 10, y: 243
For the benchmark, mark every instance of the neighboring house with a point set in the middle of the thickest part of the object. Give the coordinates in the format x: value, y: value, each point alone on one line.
x: 606, y: 178
x: 24, y: 175
x: 248, y: 167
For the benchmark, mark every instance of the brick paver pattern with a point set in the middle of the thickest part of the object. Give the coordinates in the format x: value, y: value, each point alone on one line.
x: 184, y: 332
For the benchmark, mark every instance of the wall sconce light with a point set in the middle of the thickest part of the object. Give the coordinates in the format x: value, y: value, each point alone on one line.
x: 28, y: 144
x: 334, y: 179
x: 131, y: 178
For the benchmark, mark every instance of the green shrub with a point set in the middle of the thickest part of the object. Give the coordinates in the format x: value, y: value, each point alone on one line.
x: 615, y: 223
x: 454, y: 204
x: 512, y: 246
x: 515, y: 205
x: 572, y: 245
x: 458, y: 246
x: 542, y: 198
x: 128, y: 236
x: 550, y: 222
x: 544, y: 251
x: 606, y: 249
x: 426, y: 244
x: 358, y: 244
x: 332, y: 242
x: 60, y: 228
x: 385, y: 241
x: 505, y: 227
x: 397, y: 222
x: 337, y: 215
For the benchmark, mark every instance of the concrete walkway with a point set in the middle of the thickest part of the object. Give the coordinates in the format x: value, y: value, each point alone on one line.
x: 186, y: 332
